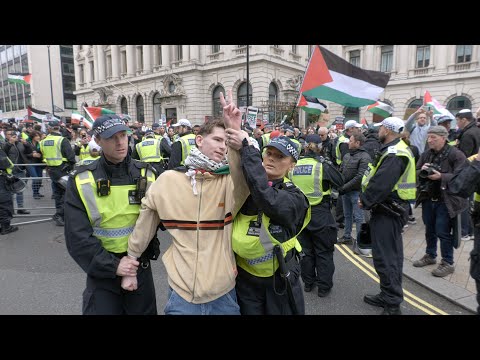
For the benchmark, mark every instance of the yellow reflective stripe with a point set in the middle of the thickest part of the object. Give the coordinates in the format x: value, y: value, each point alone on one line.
x: 84, y: 180
x: 316, y: 181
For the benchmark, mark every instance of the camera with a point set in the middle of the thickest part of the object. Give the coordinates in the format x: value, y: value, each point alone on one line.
x: 425, y: 173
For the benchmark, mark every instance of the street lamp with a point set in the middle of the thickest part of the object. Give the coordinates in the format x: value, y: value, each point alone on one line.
x: 51, y: 87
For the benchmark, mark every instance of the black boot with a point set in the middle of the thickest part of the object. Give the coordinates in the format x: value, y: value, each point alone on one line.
x: 22, y: 212
x: 375, y: 300
x: 391, y: 310
x: 7, y: 228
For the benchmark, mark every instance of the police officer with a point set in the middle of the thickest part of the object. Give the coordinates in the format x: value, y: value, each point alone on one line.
x: 387, y: 186
x: 316, y: 176
x: 265, y: 231
x: 149, y: 151
x: 464, y: 183
x: 102, y: 205
x: 6, y: 200
x: 181, y: 147
x: 60, y: 158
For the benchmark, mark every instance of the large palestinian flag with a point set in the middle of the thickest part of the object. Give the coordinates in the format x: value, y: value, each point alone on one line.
x: 93, y: 113
x: 311, y: 105
x: 329, y: 77
x: 381, y: 109
x: 20, y: 78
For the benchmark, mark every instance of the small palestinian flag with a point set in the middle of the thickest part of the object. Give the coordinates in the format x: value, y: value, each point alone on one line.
x: 93, y: 113
x: 381, y: 109
x: 20, y: 78
x: 311, y: 105
x: 77, y: 118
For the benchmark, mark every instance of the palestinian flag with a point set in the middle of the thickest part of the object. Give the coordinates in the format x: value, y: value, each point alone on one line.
x: 311, y: 105
x: 93, y: 113
x: 20, y: 78
x: 435, y: 106
x: 36, y: 115
x: 381, y: 109
x: 77, y: 118
x: 329, y: 77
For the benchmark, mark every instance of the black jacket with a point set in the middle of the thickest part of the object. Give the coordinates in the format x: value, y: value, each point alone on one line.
x: 372, y: 144
x: 465, y: 180
x: 84, y: 248
x: 454, y: 161
x: 283, y: 203
x: 380, y: 187
x: 469, y: 139
x: 353, y: 168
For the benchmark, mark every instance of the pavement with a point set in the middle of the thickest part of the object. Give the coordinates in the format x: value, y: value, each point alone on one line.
x: 458, y: 287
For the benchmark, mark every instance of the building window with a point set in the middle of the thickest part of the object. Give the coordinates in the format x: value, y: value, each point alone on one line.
x: 81, y: 74
x: 123, y: 62
x: 171, y: 87
x: 242, y: 95
x: 157, y: 108
x: 215, y: 49
x: 179, y: 53
x: 159, y: 54
x: 272, y: 102
x: 124, y: 106
x: 423, y: 56
x: 310, y: 50
x: 68, y: 68
x: 355, y: 57
x: 294, y: 49
x: 140, y: 109
x: 464, y: 53
x: 80, y: 47
x: 140, y: 58
x: 351, y: 114
x: 386, y: 58
x: 109, y: 66
x: 217, y: 107
x: 92, y: 71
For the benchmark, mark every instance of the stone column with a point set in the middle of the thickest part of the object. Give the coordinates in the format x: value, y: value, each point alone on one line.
x: 115, y: 62
x: 186, y: 53
x: 402, y: 54
x: 130, y: 60
x: 166, y: 56
x: 195, y: 53
x: 100, y: 63
x: 147, y: 59
x: 440, y: 61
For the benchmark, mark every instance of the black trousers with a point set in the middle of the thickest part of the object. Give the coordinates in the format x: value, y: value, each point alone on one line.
x: 318, y: 244
x: 475, y: 263
x: 339, y: 216
x: 106, y: 296
x: 268, y: 295
x: 6, y: 203
x: 387, y: 252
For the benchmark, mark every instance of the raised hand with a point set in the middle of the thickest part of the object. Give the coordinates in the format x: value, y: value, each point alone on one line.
x: 231, y: 114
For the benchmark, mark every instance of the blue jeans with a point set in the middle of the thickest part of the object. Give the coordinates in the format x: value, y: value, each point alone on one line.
x: 351, y: 210
x: 224, y: 305
x: 438, y: 225
x: 35, y: 171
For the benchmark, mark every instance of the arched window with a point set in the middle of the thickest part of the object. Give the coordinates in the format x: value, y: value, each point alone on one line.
x: 351, y: 113
x: 272, y: 102
x: 217, y: 107
x: 412, y: 107
x: 124, y: 106
x: 157, y: 108
x: 458, y: 103
x: 171, y: 87
x: 140, y: 109
x: 242, y: 95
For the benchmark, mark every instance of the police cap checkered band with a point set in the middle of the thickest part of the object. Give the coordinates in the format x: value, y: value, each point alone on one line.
x: 107, y: 125
x: 285, y: 145
x: 393, y: 124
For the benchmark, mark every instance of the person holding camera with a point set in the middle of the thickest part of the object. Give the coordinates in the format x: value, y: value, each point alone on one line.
x: 60, y: 159
x: 82, y: 148
x: 387, y: 187
x: 465, y: 183
x: 102, y: 204
x: 439, y: 208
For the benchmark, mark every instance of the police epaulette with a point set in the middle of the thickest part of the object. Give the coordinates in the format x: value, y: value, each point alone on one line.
x: 81, y: 168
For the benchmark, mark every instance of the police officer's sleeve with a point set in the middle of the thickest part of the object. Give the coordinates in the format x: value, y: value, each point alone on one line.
x: 286, y: 207
x: 343, y: 149
x: 67, y: 151
x: 175, y: 156
x: 382, y: 183
x: 165, y: 148
x: 332, y: 175
x: 135, y: 154
x: 466, y: 180
x: 82, y: 246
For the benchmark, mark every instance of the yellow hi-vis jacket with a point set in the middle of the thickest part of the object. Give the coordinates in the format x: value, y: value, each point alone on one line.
x: 112, y: 217
x: 308, y: 176
x: 149, y: 150
x: 254, y: 248
x: 51, y: 148
x: 338, y: 155
x: 187, y: 141
x: 406, y: 185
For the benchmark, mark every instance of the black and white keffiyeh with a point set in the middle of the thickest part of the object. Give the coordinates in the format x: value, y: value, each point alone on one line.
x: 196, y: 161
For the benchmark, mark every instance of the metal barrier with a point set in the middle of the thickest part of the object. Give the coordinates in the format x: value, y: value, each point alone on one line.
x: 37, y: 205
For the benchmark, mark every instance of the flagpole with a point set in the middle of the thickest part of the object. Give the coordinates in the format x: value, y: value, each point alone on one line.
x: 248, y: 74
x: 51, y: 87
